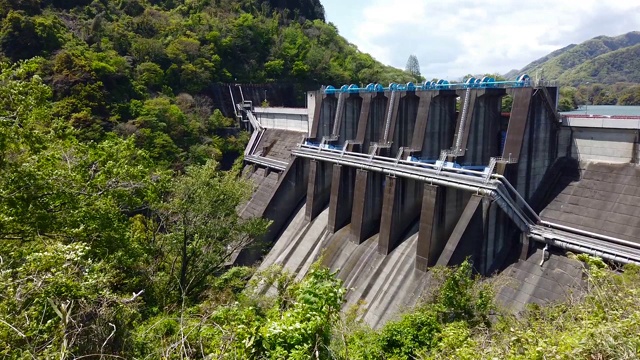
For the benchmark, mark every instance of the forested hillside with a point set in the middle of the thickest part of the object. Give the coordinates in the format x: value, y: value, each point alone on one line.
x: 574, y: 64
x: 601, y: 71
x: 117, y: 224
x: 144, y: 68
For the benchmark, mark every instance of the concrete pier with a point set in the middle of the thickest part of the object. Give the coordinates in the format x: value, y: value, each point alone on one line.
x: 442, y: 207
x: 435, y: 124
x: 431, y: 236
x: 363, y: 121
x: 318, y: 188
x: 349, y: 126
x: 342, y: 194
x: 460, y: 243
x: 531, y: 144
x: 372, y: 129
x: 403, y: 124
x: 317, y: 101
x: 501, y: 235
x: 391, y: 115
x: 367, y: 205
x: 326, y: 114
x: 400, y: 210
x: 540, y: 148
x: 482, y: 135
x: 517, y: 123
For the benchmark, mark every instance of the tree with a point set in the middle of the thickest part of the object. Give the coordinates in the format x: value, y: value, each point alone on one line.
x: 413, y: 66
x: 203, y: 228
x: 67, y: 254
x: 23, y: 37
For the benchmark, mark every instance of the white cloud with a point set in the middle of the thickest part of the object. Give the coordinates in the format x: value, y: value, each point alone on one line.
x: 454, y: 38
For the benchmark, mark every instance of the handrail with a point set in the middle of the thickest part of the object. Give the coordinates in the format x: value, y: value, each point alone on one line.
x: 258, y: 130
x: 591, y: 234
x: 593, y: 116
x: 463, y: 119
x: 443, y: 86
x: 272, y: 163
x: 252, y: 118
x: 469, y: 182
x: 337, y: 121
x: 233, y: 101
x: 253, y: 141
x: 387, y: 124
x: 241, y: 94
x: 515, y: 192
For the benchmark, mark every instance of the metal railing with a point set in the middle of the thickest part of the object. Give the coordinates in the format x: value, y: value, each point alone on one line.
x: 387, y: 124
x: 463, y: 119
x: 337, y: 121
x: 493, y: 185
x: 267, y: 162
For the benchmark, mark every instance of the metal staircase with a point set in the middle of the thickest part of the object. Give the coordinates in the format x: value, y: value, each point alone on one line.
x: 463, y: 120
x: 337, y: 122
x: 490, y: 168
x: 387, y: 125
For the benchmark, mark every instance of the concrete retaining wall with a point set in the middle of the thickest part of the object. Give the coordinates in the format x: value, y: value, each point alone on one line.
x: 598, y: 144
x: 283, y: 118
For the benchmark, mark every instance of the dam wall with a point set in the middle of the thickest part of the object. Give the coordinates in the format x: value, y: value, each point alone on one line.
x: 390, y: 183
x: 608, y: 139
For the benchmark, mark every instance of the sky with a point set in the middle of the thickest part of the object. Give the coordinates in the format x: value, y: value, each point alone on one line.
x: 452, y: 38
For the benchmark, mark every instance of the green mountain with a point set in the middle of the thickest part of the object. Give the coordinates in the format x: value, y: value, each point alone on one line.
x: 603, y: 59
x: 148, y: 68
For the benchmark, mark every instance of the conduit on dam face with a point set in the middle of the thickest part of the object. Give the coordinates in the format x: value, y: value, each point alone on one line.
x: 383, y: 232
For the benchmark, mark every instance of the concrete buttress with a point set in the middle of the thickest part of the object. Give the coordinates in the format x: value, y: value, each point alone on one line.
x: 318, y: 188
x: 367, y: 205
x: 400, y: 209
x: 341, y: 200
x: 431, y: 234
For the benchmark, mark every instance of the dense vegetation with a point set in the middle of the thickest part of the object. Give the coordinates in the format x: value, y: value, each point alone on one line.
x: 601, y: 71
x: 142, y: 69
x: 598, y: 94
x: 118, y: 227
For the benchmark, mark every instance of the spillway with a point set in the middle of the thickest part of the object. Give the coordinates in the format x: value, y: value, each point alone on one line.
x: 368, y: 276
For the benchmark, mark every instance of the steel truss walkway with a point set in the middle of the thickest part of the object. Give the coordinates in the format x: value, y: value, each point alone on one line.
x: 498, y: 188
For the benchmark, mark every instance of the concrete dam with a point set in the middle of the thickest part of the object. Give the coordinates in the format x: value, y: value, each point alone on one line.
x: 383, y: 183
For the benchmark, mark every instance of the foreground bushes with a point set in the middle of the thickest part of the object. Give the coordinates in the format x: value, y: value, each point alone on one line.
x: 301, y: 319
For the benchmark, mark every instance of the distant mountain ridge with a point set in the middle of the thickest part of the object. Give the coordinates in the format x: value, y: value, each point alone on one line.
x: 603, y: 59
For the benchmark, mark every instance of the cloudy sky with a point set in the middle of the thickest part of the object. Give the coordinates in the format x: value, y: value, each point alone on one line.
x: 452, y: 38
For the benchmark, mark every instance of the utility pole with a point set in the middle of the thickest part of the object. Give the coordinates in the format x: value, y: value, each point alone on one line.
x: 586, y: 102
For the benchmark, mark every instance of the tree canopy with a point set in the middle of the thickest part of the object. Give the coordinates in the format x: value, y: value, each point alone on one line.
x: 413, y: 66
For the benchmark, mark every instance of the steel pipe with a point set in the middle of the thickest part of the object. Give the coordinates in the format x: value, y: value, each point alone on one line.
x: 592, y: 234
x: 613, y: 256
